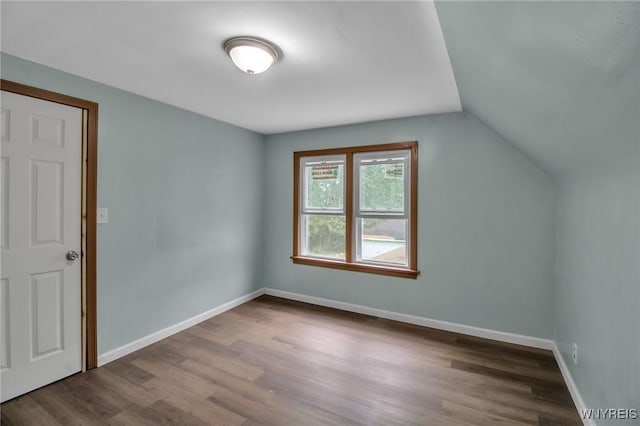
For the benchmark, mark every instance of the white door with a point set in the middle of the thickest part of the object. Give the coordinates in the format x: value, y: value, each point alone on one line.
x: 40, y: 297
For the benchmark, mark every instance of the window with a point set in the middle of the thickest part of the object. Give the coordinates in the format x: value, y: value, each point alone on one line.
x: 356, y: 208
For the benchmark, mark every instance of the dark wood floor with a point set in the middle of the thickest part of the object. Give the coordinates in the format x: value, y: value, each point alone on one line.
x: 277, y: 362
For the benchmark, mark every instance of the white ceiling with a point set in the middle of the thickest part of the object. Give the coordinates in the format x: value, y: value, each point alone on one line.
x: 344, y: 62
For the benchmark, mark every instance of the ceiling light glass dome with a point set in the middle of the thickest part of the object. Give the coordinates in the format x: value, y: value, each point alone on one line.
x: 252, y: 55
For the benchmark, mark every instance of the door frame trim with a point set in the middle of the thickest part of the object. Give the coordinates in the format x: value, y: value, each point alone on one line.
x: 89, y: 195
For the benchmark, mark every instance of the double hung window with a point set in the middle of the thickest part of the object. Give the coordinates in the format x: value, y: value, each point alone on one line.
x: 356, y: 208
x: 322, y: 218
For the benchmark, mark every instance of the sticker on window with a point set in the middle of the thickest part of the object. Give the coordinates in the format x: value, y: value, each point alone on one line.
x: 394, y: 171
x: 324, y: 172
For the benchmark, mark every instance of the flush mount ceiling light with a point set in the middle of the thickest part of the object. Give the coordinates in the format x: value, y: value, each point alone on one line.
x: 251, y: 54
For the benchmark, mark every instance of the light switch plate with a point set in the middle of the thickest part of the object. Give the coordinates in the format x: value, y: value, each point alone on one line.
x: 103, y: 215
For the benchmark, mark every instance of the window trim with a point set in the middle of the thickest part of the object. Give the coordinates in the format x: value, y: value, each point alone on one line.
x: 348, y: 203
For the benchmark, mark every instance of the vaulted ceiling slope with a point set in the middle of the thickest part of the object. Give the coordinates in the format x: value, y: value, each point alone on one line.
x: 343, y: 62
x: 560, y: 80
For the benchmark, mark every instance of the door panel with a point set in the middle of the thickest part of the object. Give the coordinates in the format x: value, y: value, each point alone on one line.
x: 4, y: 122
x: 46, y: 203
x: 5, y: 350
x: 46, y: 313
x: 4, y: 199
x: 41, y: 199
x: 47, y: 131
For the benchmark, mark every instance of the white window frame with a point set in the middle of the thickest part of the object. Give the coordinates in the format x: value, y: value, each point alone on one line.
x: 378, y: 158
x: 306, y: 211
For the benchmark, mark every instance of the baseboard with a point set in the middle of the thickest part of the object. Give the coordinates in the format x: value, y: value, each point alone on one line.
x: 573, y: 389
x: 501, y: 336
x: 159, y: 335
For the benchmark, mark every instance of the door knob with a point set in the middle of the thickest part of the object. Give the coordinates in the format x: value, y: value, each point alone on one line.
x: 72, y: 255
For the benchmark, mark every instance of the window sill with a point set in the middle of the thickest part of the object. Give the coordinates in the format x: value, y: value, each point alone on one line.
x: 357, y: 267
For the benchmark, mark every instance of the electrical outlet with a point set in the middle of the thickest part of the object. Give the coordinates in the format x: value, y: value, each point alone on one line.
x: 574, y: 353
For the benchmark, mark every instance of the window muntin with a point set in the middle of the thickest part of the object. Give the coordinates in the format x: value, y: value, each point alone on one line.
x: 355, y: 208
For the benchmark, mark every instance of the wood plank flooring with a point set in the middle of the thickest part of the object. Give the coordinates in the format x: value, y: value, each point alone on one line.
x: 276, y: 362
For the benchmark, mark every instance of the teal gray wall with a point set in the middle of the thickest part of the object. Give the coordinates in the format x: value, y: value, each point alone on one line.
x: 486, y: 231
x: 560, y: 80
x: 598, y: 286
x: 184, y: 231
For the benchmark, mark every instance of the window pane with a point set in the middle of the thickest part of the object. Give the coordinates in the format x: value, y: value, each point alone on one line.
x: 381, y: 186
x: 324, y: 185
x: 383, y: 240
x: 324, y: 236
